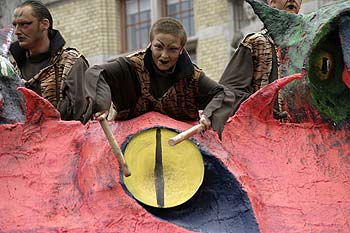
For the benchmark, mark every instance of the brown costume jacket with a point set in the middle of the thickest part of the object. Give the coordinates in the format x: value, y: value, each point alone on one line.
x: 135, y: 87
x: 254, y: 65
x: 57, y: 76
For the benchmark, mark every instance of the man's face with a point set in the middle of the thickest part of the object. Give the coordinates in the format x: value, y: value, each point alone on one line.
x: 28, y: 29
x: 166, y: 50
x: 292, y: 6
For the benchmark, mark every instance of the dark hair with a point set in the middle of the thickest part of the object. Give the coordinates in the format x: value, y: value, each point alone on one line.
x: 40, y: 11
x: 168, y: 25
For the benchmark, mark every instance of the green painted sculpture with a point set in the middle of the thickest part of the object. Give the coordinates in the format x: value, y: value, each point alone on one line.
x: 316, y: 45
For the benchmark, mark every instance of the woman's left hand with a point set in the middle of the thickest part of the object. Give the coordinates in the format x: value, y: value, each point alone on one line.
x: 204, y: 120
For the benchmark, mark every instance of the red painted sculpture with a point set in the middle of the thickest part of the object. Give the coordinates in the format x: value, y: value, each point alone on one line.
x: 62, y: 176
x: 264, y: 176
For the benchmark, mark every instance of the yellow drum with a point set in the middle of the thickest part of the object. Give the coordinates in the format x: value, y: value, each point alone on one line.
x: 161, y: 175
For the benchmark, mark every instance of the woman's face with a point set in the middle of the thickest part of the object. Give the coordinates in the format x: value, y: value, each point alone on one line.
x: 166, y: 49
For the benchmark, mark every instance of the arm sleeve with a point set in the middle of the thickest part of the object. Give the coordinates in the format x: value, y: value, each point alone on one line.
x: 238, y: 76
x: 73, y: 104
x: 98, y: 94
x: 111, y: 82
x: 217, y: 102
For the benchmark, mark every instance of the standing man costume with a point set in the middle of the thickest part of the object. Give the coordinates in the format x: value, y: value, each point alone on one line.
x: 52, y: 71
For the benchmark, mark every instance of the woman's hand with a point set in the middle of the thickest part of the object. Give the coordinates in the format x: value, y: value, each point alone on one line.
x: 204, y: 120
x: 102, y: 114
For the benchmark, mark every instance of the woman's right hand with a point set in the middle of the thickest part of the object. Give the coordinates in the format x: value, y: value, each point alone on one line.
x: 100, y: 115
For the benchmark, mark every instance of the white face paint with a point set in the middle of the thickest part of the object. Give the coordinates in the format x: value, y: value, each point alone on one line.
x: 166, y: 49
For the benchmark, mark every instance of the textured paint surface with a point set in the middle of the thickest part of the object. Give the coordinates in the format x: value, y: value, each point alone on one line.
x: 61, y: 176
x: 296, y: 175
x: 163, y: 176
x: 220, y: 204
x: 264, y: 176
x: 11, y: 101
x: 316, y: 44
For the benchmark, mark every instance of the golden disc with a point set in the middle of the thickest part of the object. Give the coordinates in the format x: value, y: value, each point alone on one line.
x: 162, y: 176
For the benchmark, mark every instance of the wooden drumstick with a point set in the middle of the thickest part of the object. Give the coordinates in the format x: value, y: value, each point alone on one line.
x: 115, y: 147
x: 186, y: 134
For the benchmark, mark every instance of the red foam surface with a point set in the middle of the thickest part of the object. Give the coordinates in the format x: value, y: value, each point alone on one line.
x: 62, y: 176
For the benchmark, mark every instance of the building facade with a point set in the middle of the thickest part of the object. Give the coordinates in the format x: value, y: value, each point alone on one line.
x: 105, y: 29
x: 6, y: 10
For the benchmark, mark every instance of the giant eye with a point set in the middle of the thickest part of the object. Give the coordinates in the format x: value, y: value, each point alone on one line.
x: 323, y: 64
x: 326, y: 64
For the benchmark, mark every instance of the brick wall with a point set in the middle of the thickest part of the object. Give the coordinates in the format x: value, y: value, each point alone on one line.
x: 93, y: 26
x: 89, y: 25
x: 213, y: 30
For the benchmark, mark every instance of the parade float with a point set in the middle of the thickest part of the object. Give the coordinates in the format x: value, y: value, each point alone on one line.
x: 263, y: 176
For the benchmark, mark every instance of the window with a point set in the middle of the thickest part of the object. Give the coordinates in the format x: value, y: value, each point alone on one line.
x: 183, y: 11
x: 137, y: 24
x: 136, y: 19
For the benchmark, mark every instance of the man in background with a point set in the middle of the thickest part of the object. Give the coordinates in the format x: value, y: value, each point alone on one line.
x: 54, y: 72
x: 256, y: 63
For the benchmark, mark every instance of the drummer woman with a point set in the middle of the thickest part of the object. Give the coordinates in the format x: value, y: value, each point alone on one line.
x: 160, y: 78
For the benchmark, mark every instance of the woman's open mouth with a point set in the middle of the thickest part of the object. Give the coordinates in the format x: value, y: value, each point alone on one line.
x: 163, y: 62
